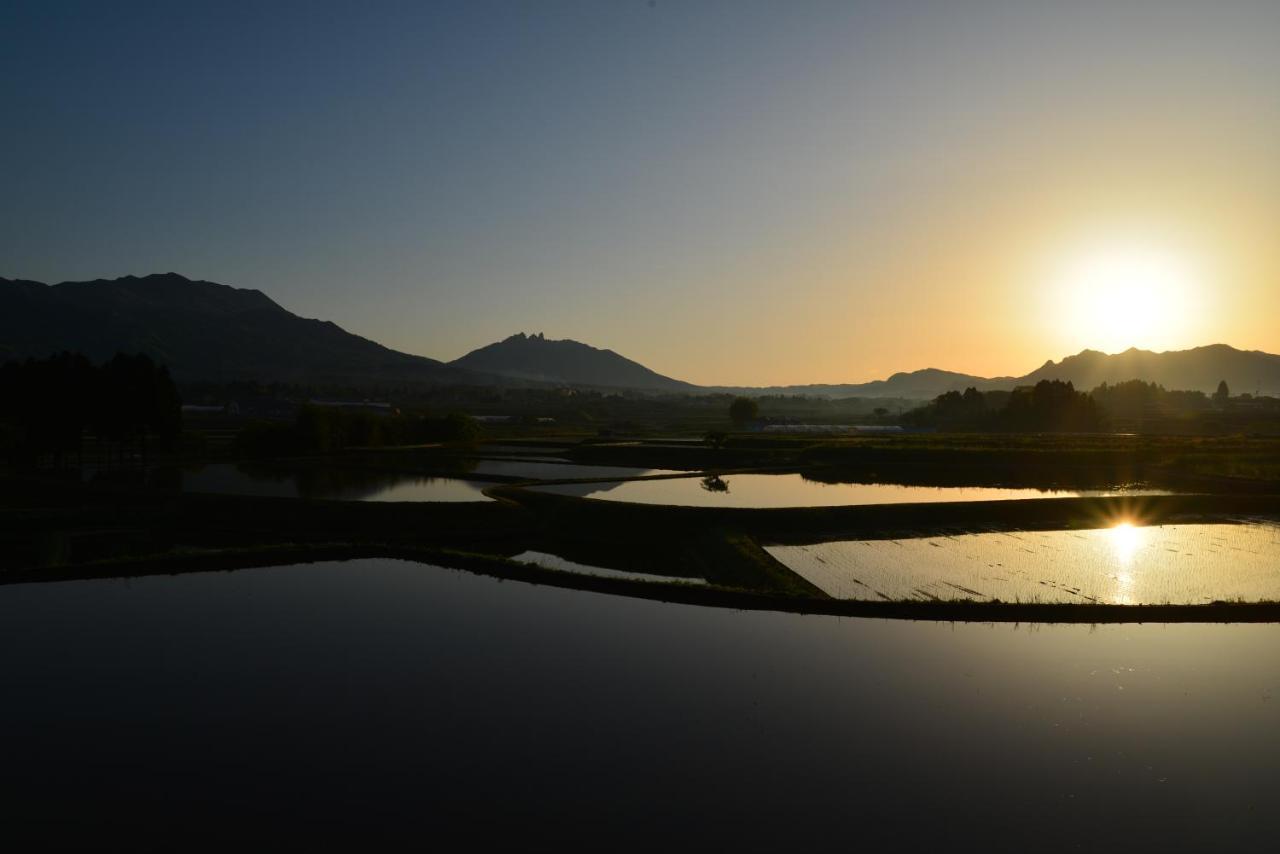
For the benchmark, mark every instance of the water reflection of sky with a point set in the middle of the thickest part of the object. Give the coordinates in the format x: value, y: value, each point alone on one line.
x: 552, y: 561
x: 544, y: 470
x: 338, y: 484
x: 387, y: 693
x: 794, y: 490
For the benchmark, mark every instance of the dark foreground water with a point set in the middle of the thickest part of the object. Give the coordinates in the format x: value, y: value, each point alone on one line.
x: 369, y: 699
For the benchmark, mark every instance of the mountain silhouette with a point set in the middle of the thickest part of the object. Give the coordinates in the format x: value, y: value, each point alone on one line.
x: 924, y: 384
x: 201, y: 330
x: 1200, y: 368
x: 208, y: 331
x: 535, y: 357
x: 1197, y: 369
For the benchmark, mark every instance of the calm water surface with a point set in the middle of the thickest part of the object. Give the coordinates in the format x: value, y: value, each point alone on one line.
x: 542, y: 470
x: 1121, y: 565
x: 333, y: 484
x: 379, y: 697
x: 547, y: 560
x: 793, y: 490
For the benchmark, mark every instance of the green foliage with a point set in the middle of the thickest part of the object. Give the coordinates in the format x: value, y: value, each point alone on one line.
x: 456, y: 427
x: 326, y: 430
x: 11, y: 437
x: 743, y: 410
x: 317, y: 429
x: 1138, y: 399
x: 1048, y: 406
x: 266, y: 439
x: 715, y: 438
x: 133, y: 397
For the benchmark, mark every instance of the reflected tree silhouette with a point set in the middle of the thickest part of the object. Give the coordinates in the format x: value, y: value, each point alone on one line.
x: 715, y: 483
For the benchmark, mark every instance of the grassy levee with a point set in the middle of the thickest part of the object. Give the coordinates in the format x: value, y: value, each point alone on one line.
x: 950, y: 471
x: 692, y: 458
x: 733, y: 559
x: 797, y: 525
x: 1223, y: 463
x: 722, y: 558
x: 52, y: 527
x: 642, y: 541
x: 68, y: 524
x: 423, y: 462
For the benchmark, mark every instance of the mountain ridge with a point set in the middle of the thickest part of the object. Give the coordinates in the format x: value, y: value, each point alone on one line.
x: 1197, y: 368
x: 201, y: 330
x: 209, y: 331
x: 565, y: 361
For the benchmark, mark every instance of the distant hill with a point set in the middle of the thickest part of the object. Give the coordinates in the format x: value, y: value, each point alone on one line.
x: 535, y: 357
x: 1197, y: 369
x: 924, y: 384
x: 207, y: 331
x: 201, y: 330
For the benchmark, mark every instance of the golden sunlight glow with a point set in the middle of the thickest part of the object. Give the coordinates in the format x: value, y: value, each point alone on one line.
x: 1127, y: 295
x: 1125, y: 540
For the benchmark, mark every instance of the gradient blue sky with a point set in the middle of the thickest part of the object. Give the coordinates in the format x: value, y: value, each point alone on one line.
x: 728, y: 192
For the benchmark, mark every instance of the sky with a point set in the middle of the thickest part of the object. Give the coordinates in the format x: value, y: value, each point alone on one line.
x: 730, y: 193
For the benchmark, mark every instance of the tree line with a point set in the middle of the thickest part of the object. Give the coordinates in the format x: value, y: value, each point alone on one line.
x: 1056, y: 406
x: 325, y: 429
x: 1048, y: 406
x: 49, y: 406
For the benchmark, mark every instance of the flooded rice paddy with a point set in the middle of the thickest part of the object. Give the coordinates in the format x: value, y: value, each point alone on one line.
x: 1121, y: 565
x: 329, y: 483
x: 544, y: 470
x: 551, y: 561
x: 794, y: 490
x: 382, y: 697
x: 361, y: 484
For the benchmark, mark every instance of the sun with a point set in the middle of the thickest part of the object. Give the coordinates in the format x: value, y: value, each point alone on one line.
x: 1117, y: 296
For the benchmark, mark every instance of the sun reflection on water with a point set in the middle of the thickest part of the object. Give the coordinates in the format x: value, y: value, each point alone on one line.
x: 1125, y: 540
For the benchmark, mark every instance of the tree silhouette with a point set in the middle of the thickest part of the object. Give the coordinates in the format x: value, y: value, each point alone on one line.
x: 1049, y: 405
x: 47, y: 405
x: 742, y: 410
x: 715, y: 483
x: 320, y: 429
